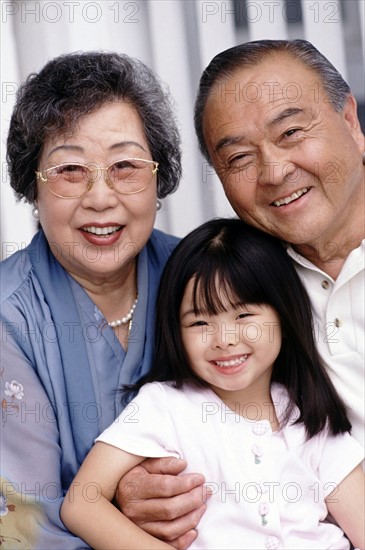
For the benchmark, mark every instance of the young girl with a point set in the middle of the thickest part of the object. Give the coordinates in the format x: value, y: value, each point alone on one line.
x: 238, y: 390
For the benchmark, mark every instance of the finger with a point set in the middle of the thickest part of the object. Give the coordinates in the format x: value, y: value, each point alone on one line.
x: 140, y: 487
x: 167, y: 465
x: 177, y: 530
x: 184, y: 541
x: 161, y: 509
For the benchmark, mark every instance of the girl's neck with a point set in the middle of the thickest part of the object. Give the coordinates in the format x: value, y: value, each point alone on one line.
x: 251, y: 405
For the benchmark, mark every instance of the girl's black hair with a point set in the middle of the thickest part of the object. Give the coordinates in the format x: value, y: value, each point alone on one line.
x: 253, y: 268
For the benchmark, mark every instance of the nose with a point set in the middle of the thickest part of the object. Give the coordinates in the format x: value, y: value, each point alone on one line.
x: 227, y: 335
x: 100, y: 195
x: 275, y: 166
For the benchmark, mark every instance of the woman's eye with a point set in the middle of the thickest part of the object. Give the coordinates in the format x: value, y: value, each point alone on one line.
x: 68, y: 172
x: 122, y: 164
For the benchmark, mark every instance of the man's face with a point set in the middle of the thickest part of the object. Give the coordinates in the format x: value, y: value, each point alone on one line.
x: 289, y: 163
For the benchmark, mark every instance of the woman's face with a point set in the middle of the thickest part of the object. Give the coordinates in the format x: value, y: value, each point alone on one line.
x: 73, y: 226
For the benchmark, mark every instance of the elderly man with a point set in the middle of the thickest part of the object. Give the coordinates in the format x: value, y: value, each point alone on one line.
x: 279, y: 125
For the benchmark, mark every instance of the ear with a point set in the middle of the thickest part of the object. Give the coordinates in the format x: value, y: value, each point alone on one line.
x: 352, y: 121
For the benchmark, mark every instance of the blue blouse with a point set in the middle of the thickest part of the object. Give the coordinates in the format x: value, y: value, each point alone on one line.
x: 62, y: 368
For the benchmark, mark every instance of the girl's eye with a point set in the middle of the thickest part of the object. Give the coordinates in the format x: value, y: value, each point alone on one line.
x: 244, y: 315
x: 198, y: 324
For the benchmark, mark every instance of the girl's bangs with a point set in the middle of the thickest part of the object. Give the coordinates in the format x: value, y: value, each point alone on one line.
x: 221, y: 284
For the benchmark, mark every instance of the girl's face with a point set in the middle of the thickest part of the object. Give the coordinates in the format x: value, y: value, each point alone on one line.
x: 234, y: 351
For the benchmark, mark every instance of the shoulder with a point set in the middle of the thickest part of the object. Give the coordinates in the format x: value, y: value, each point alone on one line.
x: 160, y: 389
x: 14, y: 271
x: 161, y: 245
x: 282, y: 402
x: 168, y: 392
x: 159, y: 248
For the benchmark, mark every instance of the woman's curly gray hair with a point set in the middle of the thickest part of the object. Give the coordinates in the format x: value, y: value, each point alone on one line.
x: 73, y: 85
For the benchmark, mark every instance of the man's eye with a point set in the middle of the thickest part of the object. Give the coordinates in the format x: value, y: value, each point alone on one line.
x: 291, y: 132
x: 239, y: 160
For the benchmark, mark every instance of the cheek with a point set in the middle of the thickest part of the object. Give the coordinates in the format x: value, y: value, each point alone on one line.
x: 192, y: 344
x: 143, y: 207
x: 240, y: 193
x: 53, y: 212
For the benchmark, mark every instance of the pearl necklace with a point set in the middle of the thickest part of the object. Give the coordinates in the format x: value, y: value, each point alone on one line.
x: 128, y: 317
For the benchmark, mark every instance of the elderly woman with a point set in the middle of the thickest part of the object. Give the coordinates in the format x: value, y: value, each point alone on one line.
x: 92, y: 145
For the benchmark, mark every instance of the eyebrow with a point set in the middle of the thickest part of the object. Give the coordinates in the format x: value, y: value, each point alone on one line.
x: 225, y: 141
x: 126, y: 143
x: 67, y: 147
x: 231, y: 140
x: 78, y: 148
x: 285, y: 114
x: 188, y: 312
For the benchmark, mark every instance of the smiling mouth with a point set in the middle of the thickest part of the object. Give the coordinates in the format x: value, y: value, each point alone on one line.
x: 102, y: 231
x: 231, y: 362
x: 293, y: 197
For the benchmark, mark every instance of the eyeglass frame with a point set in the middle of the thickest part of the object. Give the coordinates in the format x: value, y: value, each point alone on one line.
x: 90, y: 182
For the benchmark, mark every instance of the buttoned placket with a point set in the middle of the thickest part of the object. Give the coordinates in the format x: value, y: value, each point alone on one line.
x: 262, y: 434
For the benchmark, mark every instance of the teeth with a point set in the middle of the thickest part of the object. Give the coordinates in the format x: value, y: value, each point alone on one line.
x: 232, y: 362
x: 292, y: 197
x: 101, y: 231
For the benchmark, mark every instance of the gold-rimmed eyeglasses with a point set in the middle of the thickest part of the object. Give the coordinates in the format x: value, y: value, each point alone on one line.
x: 71, y: 180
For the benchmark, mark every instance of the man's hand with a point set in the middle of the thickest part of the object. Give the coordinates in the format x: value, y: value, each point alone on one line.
x: 163, y: 503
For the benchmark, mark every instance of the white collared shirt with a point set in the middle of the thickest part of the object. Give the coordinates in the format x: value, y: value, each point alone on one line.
x: 338, y: 314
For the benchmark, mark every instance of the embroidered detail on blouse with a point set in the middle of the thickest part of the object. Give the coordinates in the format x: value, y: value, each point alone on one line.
x: 14, y: 389
x: 5, y: 508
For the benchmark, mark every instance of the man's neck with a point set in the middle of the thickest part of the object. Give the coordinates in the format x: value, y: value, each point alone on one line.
x: 330, y: 256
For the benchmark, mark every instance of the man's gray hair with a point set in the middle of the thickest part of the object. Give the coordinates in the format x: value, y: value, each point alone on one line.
x: 251, y: 54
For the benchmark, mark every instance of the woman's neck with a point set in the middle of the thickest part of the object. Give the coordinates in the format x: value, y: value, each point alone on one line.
x: 114, y: 296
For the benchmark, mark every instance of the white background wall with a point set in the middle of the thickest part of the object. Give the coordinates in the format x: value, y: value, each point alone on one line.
x: 176, y: 38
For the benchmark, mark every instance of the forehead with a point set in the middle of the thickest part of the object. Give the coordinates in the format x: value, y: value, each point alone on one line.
x: 106, y: 127
x: 276, y: 83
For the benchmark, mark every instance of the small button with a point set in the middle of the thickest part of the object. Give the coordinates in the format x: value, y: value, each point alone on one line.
x: 260, y: 428
x: 271, y: 542
x: 257, y: 453
x: 338, y: 322
x: 325, y: 284
x: 263, y: 511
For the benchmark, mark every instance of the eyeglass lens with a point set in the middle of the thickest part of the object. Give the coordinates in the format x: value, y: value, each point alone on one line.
x: 127, y: 176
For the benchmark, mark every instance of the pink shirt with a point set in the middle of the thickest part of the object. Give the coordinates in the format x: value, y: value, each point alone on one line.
x: 268, y: 488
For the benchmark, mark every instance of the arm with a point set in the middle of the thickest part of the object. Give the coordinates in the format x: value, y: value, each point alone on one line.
x: 347, y: 505
x: 162, y: 502
x: 30, y: 457
x: 87, y: 509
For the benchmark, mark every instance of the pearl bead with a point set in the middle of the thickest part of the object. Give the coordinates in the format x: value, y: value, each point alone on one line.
x: 128, y: 317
